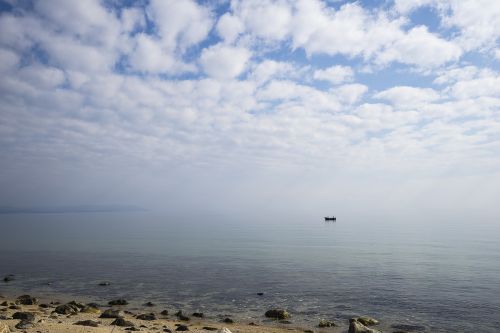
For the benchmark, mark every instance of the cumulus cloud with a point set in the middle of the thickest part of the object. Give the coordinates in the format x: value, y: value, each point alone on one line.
x: 335, y: 74
x: 224, y: 62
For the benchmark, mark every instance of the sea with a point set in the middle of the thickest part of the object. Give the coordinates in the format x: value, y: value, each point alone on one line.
x: 412, y: 275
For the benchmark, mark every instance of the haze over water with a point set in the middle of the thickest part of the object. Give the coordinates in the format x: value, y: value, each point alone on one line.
x: 440, y: 277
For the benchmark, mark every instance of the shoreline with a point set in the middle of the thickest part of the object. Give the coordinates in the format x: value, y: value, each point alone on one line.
x: 48, y: 317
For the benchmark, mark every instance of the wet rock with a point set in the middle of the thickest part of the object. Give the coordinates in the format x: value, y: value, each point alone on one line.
x: 409, y: 327
x: 277, y: 314
x: 209, y: 328
x: 228, y: 321
x: 104, y: 283
x: 308, y: 331
x: 149, y: 304
x: 26, y: 300
x: 24, y: 324
x: 367, y: 321
x: 24, y: 316
x: 356, y: 327
x: 90, y: 323
x: 122, y: 322
x: 182, y: 328
x: 147, y: 316
x: 80, y: 306
x: 260, y: 294
x: 8, y: 278
x: 167, y: 330
x: 44, y: 306
x: 198, y: 314
x: 67, y: 309
x: 224, y: 330
x: 94, y: 305
x: 164, y: 313
x: 252, y: 324
x: 4, y: 303
x: 112, y: 313
x: 4, y: 328
x: 326, y: 323
x: 120, y: 301
x: 14, y: 307
x: 90, y: 309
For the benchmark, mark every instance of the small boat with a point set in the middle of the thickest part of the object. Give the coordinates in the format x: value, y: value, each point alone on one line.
x: 328, y: 218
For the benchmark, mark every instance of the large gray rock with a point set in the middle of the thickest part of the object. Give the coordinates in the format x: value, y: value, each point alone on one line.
x: 26, y: 300
x: 277, y: 314
x: 356, y: 327
x: 326, y: 323
x: 112, y: 313
x: 24, y: 324
x: 24, y: 316
x: 67, y: 309
x: 147, y: 316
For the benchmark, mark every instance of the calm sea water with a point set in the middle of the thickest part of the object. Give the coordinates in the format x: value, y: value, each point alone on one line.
x: 440, y: 276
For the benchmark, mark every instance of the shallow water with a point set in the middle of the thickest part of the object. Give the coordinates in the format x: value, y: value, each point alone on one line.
x: 440, y: 275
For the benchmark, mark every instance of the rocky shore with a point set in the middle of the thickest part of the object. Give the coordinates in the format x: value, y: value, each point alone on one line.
x: 29, y: 314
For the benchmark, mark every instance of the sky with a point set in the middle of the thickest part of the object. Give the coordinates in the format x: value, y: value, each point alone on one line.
x: 252, y: 107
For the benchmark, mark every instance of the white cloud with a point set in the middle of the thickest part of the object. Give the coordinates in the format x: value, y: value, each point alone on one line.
x: 404, y: 96
x: 481, y: 87
x: 335, y: 74
x: 41, y: 76
x: 265, y: 19
x: 8, y: 60
x: 229, y: 27
x: 350, y: 93
x: 224, y: 62
x: 419, y: 47
x: 149, y: 56
x: 180, y: 23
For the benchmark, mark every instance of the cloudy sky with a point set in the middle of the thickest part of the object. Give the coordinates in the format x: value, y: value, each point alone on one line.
x: 250, y: 106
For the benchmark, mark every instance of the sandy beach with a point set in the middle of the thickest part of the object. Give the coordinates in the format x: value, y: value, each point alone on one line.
x: 32, y: 315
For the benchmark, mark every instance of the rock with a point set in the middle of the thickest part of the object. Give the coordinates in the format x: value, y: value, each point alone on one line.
x: 149, y: 304
x: 24, y: 324
x: 104, y: 283
x: 67, y: 309
x: 122, y: 322
x: 94, y: 305
x: 80, y: 306
x: 147, y: 316
x: 4, y: 303
x: 228, y: 321
x: 356, y: 327
x: 209, y: 328
x: 277, y: 314
x: 224, y: 330
x: 8, y: 278
x: 367, y: 321
x: 198, y: 314
x: 112, y: 313
x: 286, y: 322
x: 252, y: 324
x: 164, y: 313
x: 182, y: 328
x: 26, y: 300
x: 4, y: 328
x: 167, y: 330
x: 14, y: 307
x: 44, y: 306
x: 24, y: 316
x: 133, y: 328
x: 308, y: 331
x: 90, y: 323
x: 409, y: 327
x: 90, y: 309
x: 120, y: 301
x: 326, y: 323
x: 260, y: 294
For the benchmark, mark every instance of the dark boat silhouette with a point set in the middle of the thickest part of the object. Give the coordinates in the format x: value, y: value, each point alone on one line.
x: 328, y: 218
